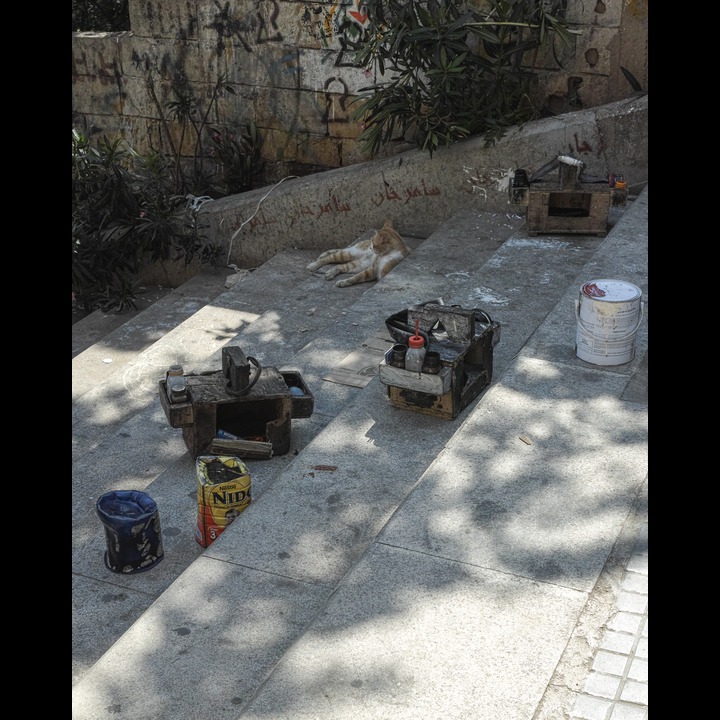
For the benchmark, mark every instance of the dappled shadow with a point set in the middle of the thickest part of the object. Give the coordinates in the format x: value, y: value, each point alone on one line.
x: 378, y: 587
x: 399, y: 562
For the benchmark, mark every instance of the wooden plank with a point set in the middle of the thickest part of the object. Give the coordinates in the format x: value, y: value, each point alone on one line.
x: 241, y: 448
x: 428, y: 383
x: 439, y: 406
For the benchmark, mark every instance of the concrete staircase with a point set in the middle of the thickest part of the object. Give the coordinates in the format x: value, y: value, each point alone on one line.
x: 391, y: 564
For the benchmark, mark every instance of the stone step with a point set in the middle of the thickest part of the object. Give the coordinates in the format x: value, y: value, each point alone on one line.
x: 519, y: 284
x: 105, y: 342
x: 186, y: 327
x: 122, y: 439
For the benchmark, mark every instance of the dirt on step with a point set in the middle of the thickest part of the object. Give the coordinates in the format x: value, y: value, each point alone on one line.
x: 145, y: 297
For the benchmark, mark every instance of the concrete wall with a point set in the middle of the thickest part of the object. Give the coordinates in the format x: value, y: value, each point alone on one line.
x: 286, y: 61
x: 333, y: 208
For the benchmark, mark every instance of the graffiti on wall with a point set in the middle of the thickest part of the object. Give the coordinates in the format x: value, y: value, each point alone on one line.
x: 336, y: 19
x: 259, y: 27
x: 389, y: 194
x: 335, y: 205
x: 338, y: 22
x: 332, y: 207
x: 337, y: 101
x: 229, y: 27
x: 267, y: 15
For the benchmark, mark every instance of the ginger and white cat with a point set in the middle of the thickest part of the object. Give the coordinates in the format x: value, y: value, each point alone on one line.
x: 369, y: 259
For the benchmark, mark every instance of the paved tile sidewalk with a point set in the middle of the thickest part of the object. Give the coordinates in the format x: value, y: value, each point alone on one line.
x: 617, y: 686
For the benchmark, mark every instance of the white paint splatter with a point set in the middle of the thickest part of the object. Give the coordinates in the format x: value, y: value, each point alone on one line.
x: 495, y: 262
x: 485, y: 296
x: 503, y: 182
x: 545, y: 279
x: 538, y: 243
x: 481, y: 178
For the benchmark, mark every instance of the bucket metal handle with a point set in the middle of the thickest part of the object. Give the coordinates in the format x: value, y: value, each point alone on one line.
x: 615, y: 339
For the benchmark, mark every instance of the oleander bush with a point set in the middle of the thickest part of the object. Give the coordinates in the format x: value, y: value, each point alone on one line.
x: 449, y: 70
x: 129, y: 209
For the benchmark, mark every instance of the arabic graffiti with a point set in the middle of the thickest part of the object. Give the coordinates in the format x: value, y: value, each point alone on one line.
x: 410, y: 193
x: 259, y: 220
x: 335, y: 205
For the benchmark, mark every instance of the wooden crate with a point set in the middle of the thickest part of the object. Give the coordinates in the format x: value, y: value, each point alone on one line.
x: 466, y: 365
x: 264, y: 414
x: 575, y: 211
x: 568, y: 205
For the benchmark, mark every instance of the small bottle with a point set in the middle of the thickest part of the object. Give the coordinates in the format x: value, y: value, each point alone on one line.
x: 397, y: 357
x: 431, y: 364
x: 415, y: 354
x: 176, y: 384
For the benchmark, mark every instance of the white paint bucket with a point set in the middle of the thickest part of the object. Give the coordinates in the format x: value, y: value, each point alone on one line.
x: 608, y: 314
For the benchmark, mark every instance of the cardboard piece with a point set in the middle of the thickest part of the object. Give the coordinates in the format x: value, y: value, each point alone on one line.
x: 363, y: 364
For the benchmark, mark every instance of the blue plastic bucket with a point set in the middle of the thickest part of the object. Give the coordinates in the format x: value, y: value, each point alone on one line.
x: 132, y: 531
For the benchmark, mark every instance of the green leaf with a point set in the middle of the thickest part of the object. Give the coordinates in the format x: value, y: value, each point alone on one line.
x: 634, y: 84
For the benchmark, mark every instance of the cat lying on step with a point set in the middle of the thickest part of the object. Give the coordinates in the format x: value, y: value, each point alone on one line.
x: 369, y: 259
